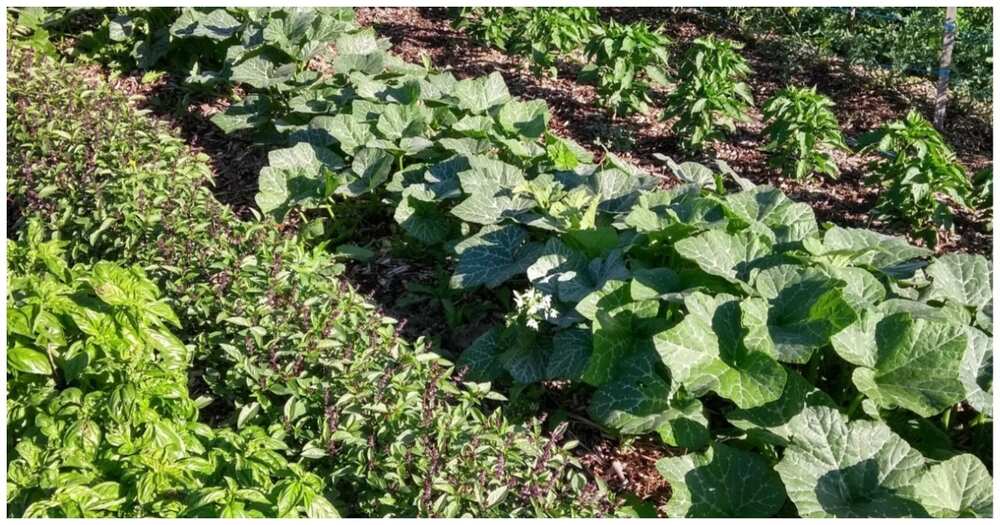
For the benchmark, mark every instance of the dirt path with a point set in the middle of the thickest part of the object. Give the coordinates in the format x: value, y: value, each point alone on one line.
x: 860, y: 105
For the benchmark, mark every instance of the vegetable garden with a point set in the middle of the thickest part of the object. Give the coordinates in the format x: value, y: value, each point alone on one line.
x: 418, y: 297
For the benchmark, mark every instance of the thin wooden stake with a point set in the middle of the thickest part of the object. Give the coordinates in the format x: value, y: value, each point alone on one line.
x: 941, y: 100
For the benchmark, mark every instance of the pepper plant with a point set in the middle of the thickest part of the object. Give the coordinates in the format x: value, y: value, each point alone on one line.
x: 542, y: 34
x: 918, y: 172
x: 625, y: 60
x: 802, y: 129
x: 709, y: 93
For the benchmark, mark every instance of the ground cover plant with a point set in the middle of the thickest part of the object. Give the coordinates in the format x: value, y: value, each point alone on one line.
x: 807, y: 369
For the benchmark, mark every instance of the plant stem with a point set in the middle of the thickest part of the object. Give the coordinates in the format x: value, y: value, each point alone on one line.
x: 946, y: 419
x: 855, y: 403
x: 814, y: 365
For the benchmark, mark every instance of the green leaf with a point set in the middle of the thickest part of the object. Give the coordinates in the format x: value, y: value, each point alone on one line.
x: 653, y: 283
x: 528, y: 119
x: 960, y: 487
x: 556, y: 263
x: 419, y: 213
x: 858, y: 469
x: 348, y: 131
x: 217, y: 24
x: 917, y: 367
x: 962, y: 278
x: 247, y: 413
x: 525, y: 354
x: 770, y: 421
x: 320, y: 507
x: 640, y: 399
x: 492, y: 256
x: 252, y: 112
x: 262, y: 72
x: 571, y: 350
x: 29, y: 361
x: 976, y: 372
x: 862, y: 290
x: 372, y: 167
x: 496, y: 496
x: 481, y: 357
x: 791, y: 221
x: 488, y: 184
x: 479, y: 94
x: 869, y: 248
x: 729, y: 256
x: 723, y: 482
x: 618, y: 334
x: 289, y: 498
x: 398, y: 121
x: 295, y: 176
x: 801, y: 309
x: 705, y: 352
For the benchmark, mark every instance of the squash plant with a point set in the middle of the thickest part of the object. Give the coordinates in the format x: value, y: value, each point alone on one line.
x: 802, y: 129
x: 709, y: 93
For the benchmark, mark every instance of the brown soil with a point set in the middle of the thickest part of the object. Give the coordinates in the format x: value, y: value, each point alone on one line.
x: 862, y: 104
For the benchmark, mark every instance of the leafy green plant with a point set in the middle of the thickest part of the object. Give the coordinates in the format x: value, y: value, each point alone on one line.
x: 892, y: 42
x: 917, y: 171
x: 802, y: 130
x: 29, y: 27
x: 625, y: 60
x: 543, y: 34
x: 710, y: 93
x: 492, y: 26
x: 99, y: 417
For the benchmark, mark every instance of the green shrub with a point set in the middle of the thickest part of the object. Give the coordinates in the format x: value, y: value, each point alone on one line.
x: 280, y: 338
x: 916, y: 170
x: 802, y: 129
x: 710, y: 93
x: 625, y: 60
